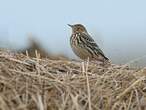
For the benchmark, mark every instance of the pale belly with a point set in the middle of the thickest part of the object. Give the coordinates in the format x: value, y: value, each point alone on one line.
x: 81, y: 52
x: 84, y: 54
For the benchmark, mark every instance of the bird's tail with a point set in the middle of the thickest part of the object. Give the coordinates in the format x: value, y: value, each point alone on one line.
x: 106, y: 58
x: 106, y: 61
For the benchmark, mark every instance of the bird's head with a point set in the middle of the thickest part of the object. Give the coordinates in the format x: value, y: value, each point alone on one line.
x: 77, y: 28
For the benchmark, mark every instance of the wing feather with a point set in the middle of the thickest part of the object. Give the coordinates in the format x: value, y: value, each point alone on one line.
x: 86, y: 38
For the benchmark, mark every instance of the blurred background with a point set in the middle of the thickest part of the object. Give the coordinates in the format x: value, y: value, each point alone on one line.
x: 118, y: 26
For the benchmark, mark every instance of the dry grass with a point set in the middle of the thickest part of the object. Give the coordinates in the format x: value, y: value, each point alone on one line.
x: 44, y: 84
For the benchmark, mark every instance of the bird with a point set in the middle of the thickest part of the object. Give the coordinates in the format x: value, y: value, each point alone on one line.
x: 84, y: 46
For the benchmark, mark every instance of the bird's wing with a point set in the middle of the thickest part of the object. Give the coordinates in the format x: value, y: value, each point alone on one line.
x: 89, y: 40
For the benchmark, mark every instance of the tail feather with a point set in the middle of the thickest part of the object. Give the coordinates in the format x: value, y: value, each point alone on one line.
x: 106, y: 58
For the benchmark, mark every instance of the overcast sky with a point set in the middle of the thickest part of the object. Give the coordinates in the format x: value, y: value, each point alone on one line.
x: 118, y: 26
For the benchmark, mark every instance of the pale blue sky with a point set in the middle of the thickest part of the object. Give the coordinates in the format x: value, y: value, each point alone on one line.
x: 119, y: 26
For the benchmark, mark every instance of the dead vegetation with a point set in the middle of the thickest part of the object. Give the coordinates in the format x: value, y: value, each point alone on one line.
x: 43, y: 84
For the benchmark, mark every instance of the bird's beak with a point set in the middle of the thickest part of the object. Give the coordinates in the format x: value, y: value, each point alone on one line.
x: 70, y: 25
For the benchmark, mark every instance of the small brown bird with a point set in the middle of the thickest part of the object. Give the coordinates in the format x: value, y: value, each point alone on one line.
x: 84, y: 46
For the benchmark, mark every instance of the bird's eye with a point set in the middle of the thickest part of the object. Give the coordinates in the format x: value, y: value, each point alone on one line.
x: 79, y: 29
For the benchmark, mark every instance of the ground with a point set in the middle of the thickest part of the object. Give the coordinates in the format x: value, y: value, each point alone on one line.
x: 28, y: 83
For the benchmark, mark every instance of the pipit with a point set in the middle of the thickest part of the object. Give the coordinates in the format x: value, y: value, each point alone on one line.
x: 84, y: 46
